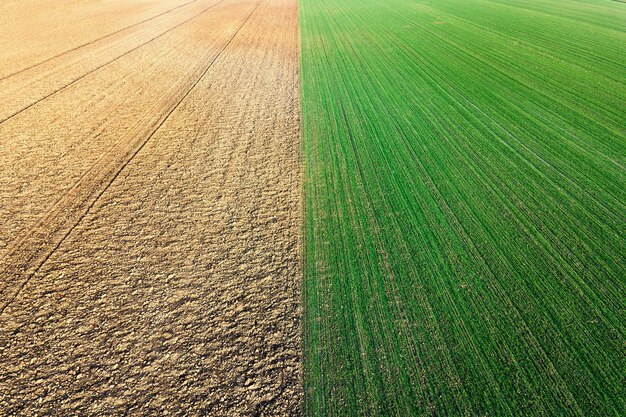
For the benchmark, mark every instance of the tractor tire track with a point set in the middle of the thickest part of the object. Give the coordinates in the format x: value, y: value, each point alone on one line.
x: 20, y: 96
x: 31, y: 251
x: 69, y: 32
x: 96, y: 40
x: 66, y: 135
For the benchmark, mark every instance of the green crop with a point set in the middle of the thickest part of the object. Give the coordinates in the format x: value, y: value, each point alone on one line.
x: 464, y: 207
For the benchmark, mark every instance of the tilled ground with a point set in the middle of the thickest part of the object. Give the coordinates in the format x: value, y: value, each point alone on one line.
x: 150, y: 213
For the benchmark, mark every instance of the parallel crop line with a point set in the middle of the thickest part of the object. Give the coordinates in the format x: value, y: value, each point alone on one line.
x: 463, y: 210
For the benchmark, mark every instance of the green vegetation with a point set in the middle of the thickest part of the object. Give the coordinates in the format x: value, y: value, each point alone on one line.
x: 465, y: 207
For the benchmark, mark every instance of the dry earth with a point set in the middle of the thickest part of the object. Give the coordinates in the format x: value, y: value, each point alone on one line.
x: 149, y: 208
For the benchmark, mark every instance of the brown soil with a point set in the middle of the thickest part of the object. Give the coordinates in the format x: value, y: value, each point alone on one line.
x: 150, y: 211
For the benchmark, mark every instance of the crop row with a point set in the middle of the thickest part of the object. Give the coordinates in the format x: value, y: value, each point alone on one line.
x: 464, y: 207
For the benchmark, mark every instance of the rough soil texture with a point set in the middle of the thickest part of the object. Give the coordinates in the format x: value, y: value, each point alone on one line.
x: 150, y: 209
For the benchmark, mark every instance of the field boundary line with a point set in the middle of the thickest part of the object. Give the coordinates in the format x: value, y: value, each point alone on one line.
x: 38, y: 244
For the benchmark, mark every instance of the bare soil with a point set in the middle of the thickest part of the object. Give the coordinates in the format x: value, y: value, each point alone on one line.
x: 150, y: 209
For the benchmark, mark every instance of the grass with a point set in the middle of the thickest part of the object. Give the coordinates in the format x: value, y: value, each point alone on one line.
x: 465, y: 207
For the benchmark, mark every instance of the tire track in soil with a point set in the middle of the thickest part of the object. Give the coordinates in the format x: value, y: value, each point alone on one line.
x: 28, y: 254
x: 49, y: 148
x: 93, y: 41
x: 35, y: 88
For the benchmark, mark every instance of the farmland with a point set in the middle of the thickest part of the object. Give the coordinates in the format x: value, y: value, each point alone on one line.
x: 313, y: 207
x: 464, y: 207
x: 149, y: 208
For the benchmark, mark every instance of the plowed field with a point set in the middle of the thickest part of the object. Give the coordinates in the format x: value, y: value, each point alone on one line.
x: 149, y: 208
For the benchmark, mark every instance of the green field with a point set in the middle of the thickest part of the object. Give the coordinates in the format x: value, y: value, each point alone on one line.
x: 465, y: 207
